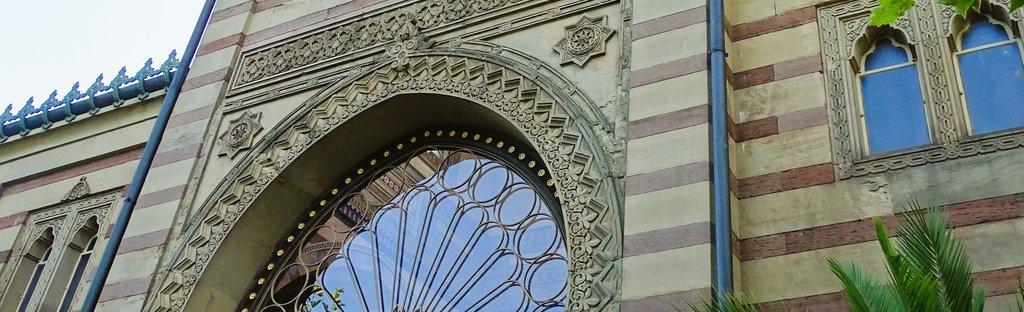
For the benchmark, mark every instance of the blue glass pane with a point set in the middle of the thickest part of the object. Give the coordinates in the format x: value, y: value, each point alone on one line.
x: 994, y: 85
x: 983, y: 32
x: 885, y: 54
x: 894, y: 112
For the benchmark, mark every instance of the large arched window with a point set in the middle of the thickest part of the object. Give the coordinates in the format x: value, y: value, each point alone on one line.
x: 992, y: 72
x: 443, y: 221
x: 893, y: 113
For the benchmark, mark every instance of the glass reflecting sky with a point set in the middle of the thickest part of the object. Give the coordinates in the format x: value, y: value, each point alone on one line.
x: 470, y: 235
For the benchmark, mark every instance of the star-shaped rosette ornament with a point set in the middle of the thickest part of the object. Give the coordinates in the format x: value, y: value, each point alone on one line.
x: 240, y: 133
x: 584, y: 40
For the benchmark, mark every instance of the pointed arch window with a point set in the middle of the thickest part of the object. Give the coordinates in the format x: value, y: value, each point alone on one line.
x: 37, y: 273
x: 892, y: 110
x: 29, y: 272
x: 992, y: 75
x: 76, y: 259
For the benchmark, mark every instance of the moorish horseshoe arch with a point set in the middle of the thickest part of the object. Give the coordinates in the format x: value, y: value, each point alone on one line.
x: 543, y: 106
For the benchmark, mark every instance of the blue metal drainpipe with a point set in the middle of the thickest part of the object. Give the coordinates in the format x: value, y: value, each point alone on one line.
x: 719, y: 148
x: 117, y: 233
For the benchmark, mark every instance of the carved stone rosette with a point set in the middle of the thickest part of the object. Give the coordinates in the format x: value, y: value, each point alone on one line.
x: 557, y: 123
x: 584, y: 40
x: 240, y: 133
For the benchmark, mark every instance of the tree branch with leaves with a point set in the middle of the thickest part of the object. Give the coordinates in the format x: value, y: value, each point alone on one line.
x: 889, y: 11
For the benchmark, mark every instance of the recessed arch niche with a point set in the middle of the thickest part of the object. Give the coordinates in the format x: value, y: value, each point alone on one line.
x: 263, y: 195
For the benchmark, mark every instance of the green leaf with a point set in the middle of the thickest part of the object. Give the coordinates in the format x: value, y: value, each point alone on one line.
x: 889, y: 10
x: 1016, y: 4
x: 931, y: 249
x: 962, y: 6
x: 862, y: 292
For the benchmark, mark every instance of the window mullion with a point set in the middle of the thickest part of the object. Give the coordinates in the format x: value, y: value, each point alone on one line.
x: 942, y: 92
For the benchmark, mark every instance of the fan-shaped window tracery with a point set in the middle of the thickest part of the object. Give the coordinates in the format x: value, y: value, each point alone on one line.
x: 447, y: 227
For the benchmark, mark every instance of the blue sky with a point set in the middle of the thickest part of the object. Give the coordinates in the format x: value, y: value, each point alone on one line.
x: 51, y: 44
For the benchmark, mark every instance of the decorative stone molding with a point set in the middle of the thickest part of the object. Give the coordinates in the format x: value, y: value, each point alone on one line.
x: 78, y: 191
x: 584, y: 40
x: 926, y: 28
x: 557, y: 123
x: 65, y: 220
x: 362, y: 34
x: 240, y: 133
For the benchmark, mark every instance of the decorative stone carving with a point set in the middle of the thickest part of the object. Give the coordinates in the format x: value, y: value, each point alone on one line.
x: 240, y: 133
x: 555, y: 123
x: 78, y: 191
x: 584, y: 40
x: 363, y: 34
x: 399, y: 52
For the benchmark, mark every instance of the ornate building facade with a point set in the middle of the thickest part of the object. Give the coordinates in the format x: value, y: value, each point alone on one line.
x: 518, y: 155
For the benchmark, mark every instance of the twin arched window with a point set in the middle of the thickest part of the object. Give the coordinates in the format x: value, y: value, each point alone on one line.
x: 988, y: 59
x: 60, y: 267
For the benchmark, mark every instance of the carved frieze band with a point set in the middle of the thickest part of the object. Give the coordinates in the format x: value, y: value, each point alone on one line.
x: 364, y: 33
x: 926, y: 27
x: 308, y: 52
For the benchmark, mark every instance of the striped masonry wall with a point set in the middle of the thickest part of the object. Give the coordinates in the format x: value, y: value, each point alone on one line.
x: 39, y: 170
x: 667, y: 246
x: 188, y: 143
x: 793, y: 215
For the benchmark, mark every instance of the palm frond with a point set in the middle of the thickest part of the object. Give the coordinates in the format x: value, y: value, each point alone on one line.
x: 929, y: 269
x: 863, y: 293
x: 730, y: 302
x: 930, y: 248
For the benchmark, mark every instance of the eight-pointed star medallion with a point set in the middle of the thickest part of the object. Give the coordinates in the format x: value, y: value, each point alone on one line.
x: 240, y: 133
x: 584, y: 40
